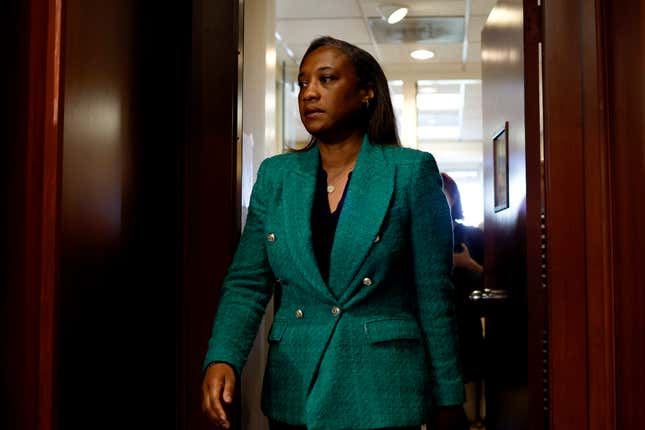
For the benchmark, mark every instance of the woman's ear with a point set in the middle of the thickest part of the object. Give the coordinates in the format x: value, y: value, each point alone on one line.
x: 367, y: 94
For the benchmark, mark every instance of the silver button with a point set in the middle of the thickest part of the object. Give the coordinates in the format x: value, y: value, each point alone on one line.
x: 367, y: 282
x: 299, y: 313
x: 335, y: 310
x: 377, y: 239
x: 271, y: 237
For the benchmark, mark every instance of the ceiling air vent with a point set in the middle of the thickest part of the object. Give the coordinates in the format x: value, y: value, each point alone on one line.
x: 422, y: 29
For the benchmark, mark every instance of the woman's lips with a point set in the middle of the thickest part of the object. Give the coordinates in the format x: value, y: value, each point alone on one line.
x: 313, y: 112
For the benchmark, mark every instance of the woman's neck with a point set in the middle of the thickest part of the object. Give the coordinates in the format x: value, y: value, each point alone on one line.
x: 341, y: 154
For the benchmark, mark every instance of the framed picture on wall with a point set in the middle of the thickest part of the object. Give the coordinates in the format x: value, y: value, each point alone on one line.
x: 500, y: 168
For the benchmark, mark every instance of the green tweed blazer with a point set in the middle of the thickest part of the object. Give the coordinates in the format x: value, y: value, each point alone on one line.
x: 376, y: 345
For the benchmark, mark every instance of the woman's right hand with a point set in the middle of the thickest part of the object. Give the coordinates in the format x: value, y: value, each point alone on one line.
x: 465, y: 261
x: 218, y: 385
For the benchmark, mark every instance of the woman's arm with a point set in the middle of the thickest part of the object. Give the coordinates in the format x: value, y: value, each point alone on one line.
x: 431, y: 237
x: 246, y: 289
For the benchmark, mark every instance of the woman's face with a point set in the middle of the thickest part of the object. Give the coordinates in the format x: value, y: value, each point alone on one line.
x: 330, y: 98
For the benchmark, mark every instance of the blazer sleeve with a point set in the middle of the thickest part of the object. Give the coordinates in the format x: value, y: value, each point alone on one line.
x: 246, y: 289
x: 431, y: 238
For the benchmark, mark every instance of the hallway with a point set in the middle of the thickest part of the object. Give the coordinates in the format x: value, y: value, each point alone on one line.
x: 134, y: 133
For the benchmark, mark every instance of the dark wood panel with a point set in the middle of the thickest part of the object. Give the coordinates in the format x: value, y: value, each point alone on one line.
x: 126, y: 76
x: 140, y: 139
x: 162, y: 76
x: 536, y: 297
x: 211, y: 223
x: 16, y: 385
x: 31, y: 178
x: 503, y: 98
x: 625, y: 48
x: 598, y: 236
x: 595, y: 165
x: 98, y: 134
x: 563, y: 123
x: 514, y: 379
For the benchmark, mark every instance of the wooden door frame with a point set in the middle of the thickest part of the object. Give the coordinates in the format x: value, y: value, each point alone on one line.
x: 212, y: 178
x: 578, y: 218
x: 34, y: 177
x: 211, y: 175
x: 578, y: 208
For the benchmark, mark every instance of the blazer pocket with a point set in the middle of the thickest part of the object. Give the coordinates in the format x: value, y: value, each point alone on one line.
x: 383, y: 330
x: 277, y: 330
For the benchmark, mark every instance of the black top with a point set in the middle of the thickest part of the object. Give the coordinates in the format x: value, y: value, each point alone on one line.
x: 472, y: 237
x: 324, y: 222
x: 471, y: 341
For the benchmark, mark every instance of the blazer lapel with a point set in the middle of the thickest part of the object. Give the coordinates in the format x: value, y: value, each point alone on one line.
x: 299, y: 190
x: 365, y: 206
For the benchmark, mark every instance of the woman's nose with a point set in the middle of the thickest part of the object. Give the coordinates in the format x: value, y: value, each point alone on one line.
x: 310, y: 91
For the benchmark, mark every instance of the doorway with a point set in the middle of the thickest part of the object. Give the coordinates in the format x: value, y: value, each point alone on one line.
x: 439, y: 105
x: 591, y: 95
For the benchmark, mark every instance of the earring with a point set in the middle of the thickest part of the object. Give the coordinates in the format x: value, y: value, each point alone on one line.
x: 365, y: 104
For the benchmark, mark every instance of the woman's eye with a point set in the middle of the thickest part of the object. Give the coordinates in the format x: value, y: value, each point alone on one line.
x: 325, y: 79
x: 302, y: 84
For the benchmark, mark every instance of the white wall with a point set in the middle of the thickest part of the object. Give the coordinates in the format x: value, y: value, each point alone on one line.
x: 259, y: 96
x: 259, y: 127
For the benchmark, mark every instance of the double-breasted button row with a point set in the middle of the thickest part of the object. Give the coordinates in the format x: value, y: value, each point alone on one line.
x: 334, y: 311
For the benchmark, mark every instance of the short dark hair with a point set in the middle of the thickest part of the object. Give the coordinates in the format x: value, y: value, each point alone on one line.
x: 380, y: 123
x: 451, y: 188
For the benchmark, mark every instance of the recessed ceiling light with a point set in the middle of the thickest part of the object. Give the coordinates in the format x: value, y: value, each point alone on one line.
x: 393, y: 13
x: 422, y: 54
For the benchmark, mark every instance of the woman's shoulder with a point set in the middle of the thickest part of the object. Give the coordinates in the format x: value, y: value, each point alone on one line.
x: 399, y: 155
x: 279, y: 162
x: 412, y: 166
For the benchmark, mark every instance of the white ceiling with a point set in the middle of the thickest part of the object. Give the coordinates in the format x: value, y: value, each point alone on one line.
x: 298, y: 22
x: 301, y: 21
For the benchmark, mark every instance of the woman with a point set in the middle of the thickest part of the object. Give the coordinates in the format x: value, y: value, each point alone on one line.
x: 469, y: 241
x: 467, y: 277
x: 353, y: 236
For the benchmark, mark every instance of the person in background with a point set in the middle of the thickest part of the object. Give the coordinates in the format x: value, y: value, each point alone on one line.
x: 353, y: 236
x: 467, y: 276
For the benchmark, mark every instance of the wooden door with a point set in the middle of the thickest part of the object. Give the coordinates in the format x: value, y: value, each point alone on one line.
x: 120, y: 174
x: 625, y: 61
x: 594, y: 144
x: 124, y: 79
x: 513, y: 299
x: 149, y: 206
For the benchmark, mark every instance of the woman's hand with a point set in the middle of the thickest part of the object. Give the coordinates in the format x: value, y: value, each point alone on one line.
x: 449, y: 418
x: 218, y: 384
x: 465, y: 261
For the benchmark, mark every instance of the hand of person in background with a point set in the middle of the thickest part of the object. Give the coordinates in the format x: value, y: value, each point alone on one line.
x: 465, y: 261
x: 218, y: 384
x: 449, y: 418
